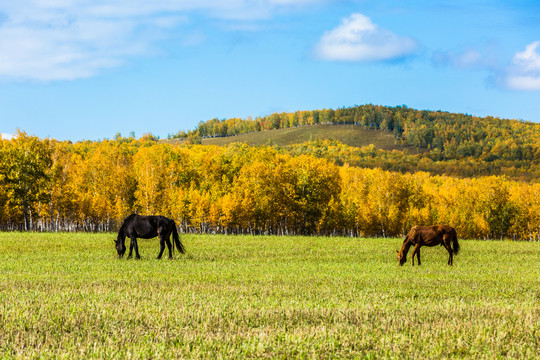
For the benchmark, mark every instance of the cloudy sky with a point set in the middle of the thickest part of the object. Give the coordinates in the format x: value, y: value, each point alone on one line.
x: 87, y: 69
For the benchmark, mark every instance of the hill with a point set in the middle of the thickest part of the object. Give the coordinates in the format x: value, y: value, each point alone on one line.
x: 446, y: 135
x: 351, y: 135
x: 406, y: 139
x: 348, y: 134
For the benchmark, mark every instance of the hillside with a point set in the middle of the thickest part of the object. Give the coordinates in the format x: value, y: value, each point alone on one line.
x: 368, y: 148
x: 348, y: 134
x: 405, y: 139
x: 351, y: 135
x: 446, y: 135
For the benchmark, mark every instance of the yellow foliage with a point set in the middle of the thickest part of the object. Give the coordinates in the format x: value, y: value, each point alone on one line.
x: 238, y: 188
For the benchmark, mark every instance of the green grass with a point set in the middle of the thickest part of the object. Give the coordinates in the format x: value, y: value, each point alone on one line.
x: 68, y: 296
x: 348, y: 134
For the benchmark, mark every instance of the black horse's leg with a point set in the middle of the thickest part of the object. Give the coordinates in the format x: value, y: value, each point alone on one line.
x: 136, y: 247
x: 169, y: 246
x: 131, y: 243
x: 162, y: 246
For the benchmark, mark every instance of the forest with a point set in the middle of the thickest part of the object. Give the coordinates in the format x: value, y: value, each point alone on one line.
x: 50, y: 185
x: 453, y: 144
x: 408, y: 162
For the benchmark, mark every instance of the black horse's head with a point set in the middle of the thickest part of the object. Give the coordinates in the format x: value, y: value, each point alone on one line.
x: 401, y: 257
x: 120, y: 248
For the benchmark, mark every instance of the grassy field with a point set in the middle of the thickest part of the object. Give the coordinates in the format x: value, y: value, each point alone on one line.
x: 68, y: 296
x: 348, y: 134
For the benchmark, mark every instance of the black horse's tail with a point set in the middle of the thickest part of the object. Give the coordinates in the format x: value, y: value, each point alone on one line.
x: 176, y: 239
x: 455, y: 244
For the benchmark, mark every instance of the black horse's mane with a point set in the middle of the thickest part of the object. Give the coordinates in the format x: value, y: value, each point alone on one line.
x: 128, y: 219
x: 124, y: 224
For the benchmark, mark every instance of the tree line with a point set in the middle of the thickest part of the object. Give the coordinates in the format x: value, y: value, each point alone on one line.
x: 92, y: 186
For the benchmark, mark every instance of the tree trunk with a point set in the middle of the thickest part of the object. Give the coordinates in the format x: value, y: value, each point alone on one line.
x: 26, y: 212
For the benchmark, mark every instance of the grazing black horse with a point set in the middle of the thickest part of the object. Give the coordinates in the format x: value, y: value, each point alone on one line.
x: 429, y: 236
x: 146, y: 227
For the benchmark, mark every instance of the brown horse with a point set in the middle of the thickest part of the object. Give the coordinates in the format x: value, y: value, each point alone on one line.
x: 429, y: 236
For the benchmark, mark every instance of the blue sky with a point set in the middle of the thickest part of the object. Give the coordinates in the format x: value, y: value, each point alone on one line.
x: 87, y: 69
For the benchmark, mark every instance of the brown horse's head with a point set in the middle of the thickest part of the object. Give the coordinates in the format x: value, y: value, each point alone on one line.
x: 401, y: 257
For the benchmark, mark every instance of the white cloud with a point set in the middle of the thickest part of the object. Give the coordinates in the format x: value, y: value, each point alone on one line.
x: 6, y: 136
x: 529, y: 60
x: 357, y: 38
x: 70, y: 39
x: 524, y: 73
x: 78, y: 49
x: 467, y: 59
x: 51, y: 40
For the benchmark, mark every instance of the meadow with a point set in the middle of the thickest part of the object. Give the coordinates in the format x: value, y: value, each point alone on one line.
x: 347, y: 134
x: 67, y: 296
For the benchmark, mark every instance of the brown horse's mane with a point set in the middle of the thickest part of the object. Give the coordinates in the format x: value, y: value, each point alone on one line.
x: 408, y: 242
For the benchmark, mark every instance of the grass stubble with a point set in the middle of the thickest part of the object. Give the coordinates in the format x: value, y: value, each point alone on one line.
x: 68, y: 296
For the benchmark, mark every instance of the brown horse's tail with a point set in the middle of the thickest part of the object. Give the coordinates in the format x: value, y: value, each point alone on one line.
x: 176, y: 239
x: 455, y: 244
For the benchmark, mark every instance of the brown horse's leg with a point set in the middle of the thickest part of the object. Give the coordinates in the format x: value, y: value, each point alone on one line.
x: 418, y: 256
x: 415, y: 251
x: 446, y: 243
